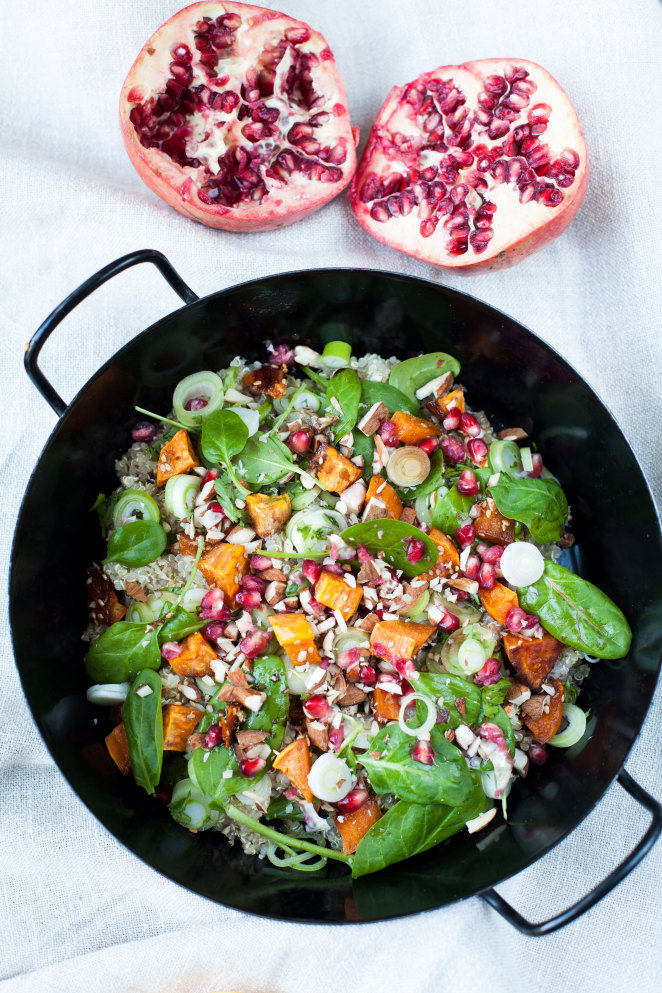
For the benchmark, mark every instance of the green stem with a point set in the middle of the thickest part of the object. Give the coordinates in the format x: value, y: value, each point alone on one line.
x: 285, y: 841
x: 166, y: 420
x: 294, y: 555
x: 279, y: 420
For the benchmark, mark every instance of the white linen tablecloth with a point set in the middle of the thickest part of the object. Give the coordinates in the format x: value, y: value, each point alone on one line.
x: 79, y: 913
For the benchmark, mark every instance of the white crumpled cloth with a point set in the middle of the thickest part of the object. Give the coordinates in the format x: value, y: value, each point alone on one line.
x: 78, y: 912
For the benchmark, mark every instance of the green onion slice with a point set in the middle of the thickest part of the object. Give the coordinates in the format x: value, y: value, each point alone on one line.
x: 505, y: 456
x: 135, y: 505
x: 575, y: 729
x: 180, y: 494
x: 336, y: 354
x: 201, y: 387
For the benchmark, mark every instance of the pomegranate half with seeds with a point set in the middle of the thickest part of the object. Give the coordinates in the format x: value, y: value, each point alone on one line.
x: 237, y: 117
x: 473, y: 166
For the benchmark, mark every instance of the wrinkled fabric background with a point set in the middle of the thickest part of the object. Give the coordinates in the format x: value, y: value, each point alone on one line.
x: 78, y: 912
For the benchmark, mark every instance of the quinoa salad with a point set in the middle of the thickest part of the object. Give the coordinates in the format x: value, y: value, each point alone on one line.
x: 331, y: 622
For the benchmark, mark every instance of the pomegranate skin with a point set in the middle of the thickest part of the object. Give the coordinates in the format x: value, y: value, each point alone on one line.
x: 395, y: 212
x: 288, y: 197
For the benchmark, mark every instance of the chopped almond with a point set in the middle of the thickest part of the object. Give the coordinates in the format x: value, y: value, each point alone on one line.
x: 374, y: 418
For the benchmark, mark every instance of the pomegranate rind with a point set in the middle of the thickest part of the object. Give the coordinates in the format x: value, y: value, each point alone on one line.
x: 181, y: 185
x: 518, y: 228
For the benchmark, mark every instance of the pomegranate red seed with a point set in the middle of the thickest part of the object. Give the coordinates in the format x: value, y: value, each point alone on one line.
x: 196, y: 403
x: 489, y: 674
x: 354, y: 799
x: 466, y: 535
x: 363, y: 554
x: 449, y: 622
x: 537, y: 753
x: 536, y: 459
x: 478, y: 451
x: 312, y: 570
x: 348, y: 658
x: 254, y: 583
x: 317, y: 707
x: 469, y: 425
x: 453, y: 450
x: 415, y: 550
x: 216, y: 508
x: 251, y: 767
x: 170, y: 650
x: 388, y: 434
x: 422, y: 752
x: 472, y: 567
x: 211, y: 475
x: 282, y: 355
x: 299, y: 442
x: 213, y: 736
x: 144, y: 431
x: 428, y: 445
x: 260, y: 562
x: 481, y: 548
x: 248, y: 599
x: 367, y: 675
x: 336, y: 736
x: 486, y: 576
x: 335, y: 568
x: 468, y: 483
x: 461, y: 595
x: 212, y: 607
x: 451, y: 421
x: 254, y: 644
x: 405, y: 667
x: 493, y: 554
x: 516, y: 619
x: 214, y: 631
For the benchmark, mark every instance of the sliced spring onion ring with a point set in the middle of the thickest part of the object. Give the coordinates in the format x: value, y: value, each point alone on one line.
x: 135, y: 505
x: 330, y: 778
x: 468, y: 649
x: 408, y: 466
x: 351, y: 638
x: 205, y: 386
x: 180, y: 494
x: 192, y: 599
x: 575, y: 730
x: 305, y: 400
x: 308, y: 529
x: 472, y: 655
x: 295, y: 860
x: 336, y: 354
x: 505, y: 456
x: 140, y: 613
x: 250, y: 416
x: 301, y: 500
x: 429, y: 721
x: 419, y: 606
x: 521, y: 563
x: 108, y: 694
x: 527, y: 461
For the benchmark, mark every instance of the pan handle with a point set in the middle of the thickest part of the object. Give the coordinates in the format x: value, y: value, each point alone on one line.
x: 613, y: 879
x: 42, y: 333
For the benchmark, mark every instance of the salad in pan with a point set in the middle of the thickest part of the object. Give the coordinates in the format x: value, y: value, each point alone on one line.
x: 331, y: 622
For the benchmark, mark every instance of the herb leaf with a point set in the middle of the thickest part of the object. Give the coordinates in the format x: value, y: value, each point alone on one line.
x: 226, y: 498
x: 206, y: 769
x: 143, y: 723
x: 136, y: 543
x: 264, y: 462
x: 270, y: 678
x: 345, y: 388
x: 224, y: 435
x: 577, y: 613
x: 492, y: 697
x: 392, y: 398
x: 179, y: 626
x: 392, y: 538
x: 410, y: 375
x: 539, y: 503
x: 122, y: 652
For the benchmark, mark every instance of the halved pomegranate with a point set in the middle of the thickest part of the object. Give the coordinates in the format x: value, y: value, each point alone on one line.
x: 475, y: 165
x: 237, y: 117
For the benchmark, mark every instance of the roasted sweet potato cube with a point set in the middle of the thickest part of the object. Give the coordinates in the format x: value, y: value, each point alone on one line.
x: 332, y: 591
x: 223, y: 566
x: 410, y: 430
x: 268, y: 379
x: 491, y: 525
x: 268, y: 514
x: 352, y: 827
x: 196, y: 658
x: 385, y: 705
x: 544, y: 725
x: 118, y: 749
x: 383, y: 491
x: 186, y: 545
x: 294, y: 761
x: 453, y: 399
x: 448, y: 560
x: 295, y: 635
x: 103, y: 607
x: 498, y: 601
x: 399, y: 639
x: 176, y: 458
x: 178, y: 723
x: 532, y: 658
x: 334, y: 471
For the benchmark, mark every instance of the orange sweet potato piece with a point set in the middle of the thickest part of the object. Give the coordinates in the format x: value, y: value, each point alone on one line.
x: 386, y: 494
x: 229, y: 721
x: 178, y: 723
x: 332, y: 591
x: 453, y: 399
x: 186, y: 545
x: 498, y: 601
x: 294, y: 761
x: 491, y: 525
x: 334, y: 471
x: 544, y: 725
x: 103, y: 607
x: 176, y: 457
x: 532, y: 658
x: 399, y: 639
x: 410, y: 430
x: 267, y: 379
x: 295, y: 635
x: 118, y: 749
x: 223, y: 566
x: 352, y: 827
x: 195, y: 661
x: 268, y: 514
x: 386, y: 706
x: 448, y: 560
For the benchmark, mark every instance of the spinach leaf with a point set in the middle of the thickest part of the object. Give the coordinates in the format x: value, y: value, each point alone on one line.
x: 432, y: 481
x: 392, y: 398
x: 410, y: 375
x: 206, y: 768
x: 179, y: 626
x: 410, y: 828
x: 121, y: 652
x: 345, y: 389
x: 283, y: 809
x: 450, y: 509
x: 270, y: 678
x: 226, y: 497
x: 365, y: 446
x: 452, y: 689
x: 136, y: 543
x: 501, y: 719
x: 448, y: 780
x: 105, y: 508
x: 392, y: 538
x: 577, y: 613
x: 143, y: 723
x: 539, y: 503
x: 224, y: 435
x: 491, y: 698
x: 264, y: 462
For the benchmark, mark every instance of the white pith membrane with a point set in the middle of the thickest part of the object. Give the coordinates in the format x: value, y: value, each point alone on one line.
x: 468, y: 160
x: 234, y: 105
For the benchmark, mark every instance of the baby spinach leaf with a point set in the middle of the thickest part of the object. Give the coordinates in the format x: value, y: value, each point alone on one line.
x: 539, y: 503
x: 345, y: 389
x: 179, y: 626
x: 143, y: 723
x: 206, y: 769
x: 452, y: 689
x: 365, y: 446
x: 283, y: 809
x: 410, y: 828
x: 432, y: 482
x: 136, y: 543
x: 491, y: 698
x: 448, y: 780
x: 121, y: 652
x: 270, y: 678
x: 501, y: 719
x: 392, y: 398
x: 450, y: 509
x: 410, y: 375
x: 392, y: 538
x: 577, y: 613
x: 224, y: 435
x: 264, y: 462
